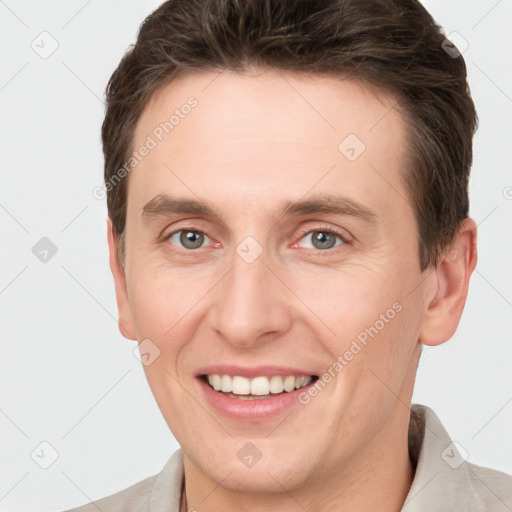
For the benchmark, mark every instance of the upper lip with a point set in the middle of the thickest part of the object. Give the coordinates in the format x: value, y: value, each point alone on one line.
x: 252, y: 372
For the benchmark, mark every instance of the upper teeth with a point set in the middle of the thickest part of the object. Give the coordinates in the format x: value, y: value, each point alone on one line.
x: 257, y: 386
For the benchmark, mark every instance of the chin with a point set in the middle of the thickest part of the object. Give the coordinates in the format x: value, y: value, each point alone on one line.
x: 259, y: 466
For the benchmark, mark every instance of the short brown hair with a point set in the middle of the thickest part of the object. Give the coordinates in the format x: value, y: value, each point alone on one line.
x: 393, y: 44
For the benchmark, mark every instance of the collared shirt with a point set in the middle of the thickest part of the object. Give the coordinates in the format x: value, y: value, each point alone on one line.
x: 443, y: 481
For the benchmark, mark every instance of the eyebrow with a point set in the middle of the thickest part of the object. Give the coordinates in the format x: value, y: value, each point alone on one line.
x: 164, y: 205
x: 332, y: 204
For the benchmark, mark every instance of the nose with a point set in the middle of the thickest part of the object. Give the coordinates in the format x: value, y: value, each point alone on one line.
x: 251, y: 304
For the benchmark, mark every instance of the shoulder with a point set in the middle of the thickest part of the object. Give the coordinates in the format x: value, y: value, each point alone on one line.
x: 489, y: 488
x: 444, y: 479
x: 159, y: 492
x: 132, y: 499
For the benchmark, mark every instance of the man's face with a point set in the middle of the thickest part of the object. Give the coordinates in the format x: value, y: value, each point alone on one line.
x: 273, y: 284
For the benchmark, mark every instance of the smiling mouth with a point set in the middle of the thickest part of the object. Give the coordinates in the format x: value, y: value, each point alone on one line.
x: 257, y: 388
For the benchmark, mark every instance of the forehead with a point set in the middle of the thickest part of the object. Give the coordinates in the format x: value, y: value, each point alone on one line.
x: 269, y: 132
x: 275, y: 103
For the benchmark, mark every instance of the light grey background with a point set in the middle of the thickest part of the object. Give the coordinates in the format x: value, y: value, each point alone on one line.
x: 68, y: 378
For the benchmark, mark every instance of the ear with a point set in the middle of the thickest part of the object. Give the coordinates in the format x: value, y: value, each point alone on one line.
x: 452, y: 275
x: 126, y: 324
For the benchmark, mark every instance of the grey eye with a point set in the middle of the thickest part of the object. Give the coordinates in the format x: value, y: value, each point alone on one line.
x: 188, y: 239
x: 322, y: 239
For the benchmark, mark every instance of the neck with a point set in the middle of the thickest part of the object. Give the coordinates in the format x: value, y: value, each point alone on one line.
x: 378, y: 479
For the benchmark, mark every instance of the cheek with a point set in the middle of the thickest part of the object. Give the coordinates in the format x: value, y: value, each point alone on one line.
x: 165, y: 310
x: 373, y: 324
x: 169, y: 307
x: 356, y: 302
x: 161, y: 300
x: 385, y: 368
x: 348, y: 301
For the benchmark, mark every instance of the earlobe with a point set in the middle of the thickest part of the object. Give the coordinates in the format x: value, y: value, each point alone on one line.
x: 452, y: 274
x: 126, y: 324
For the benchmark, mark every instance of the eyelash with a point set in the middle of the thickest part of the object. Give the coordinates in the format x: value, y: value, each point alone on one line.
x: 322, y: 229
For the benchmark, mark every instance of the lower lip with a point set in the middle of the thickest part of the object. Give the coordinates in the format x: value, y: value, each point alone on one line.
x: 251, y: 409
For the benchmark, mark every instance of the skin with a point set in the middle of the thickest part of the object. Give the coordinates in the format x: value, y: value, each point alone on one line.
x: 254, y: 142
